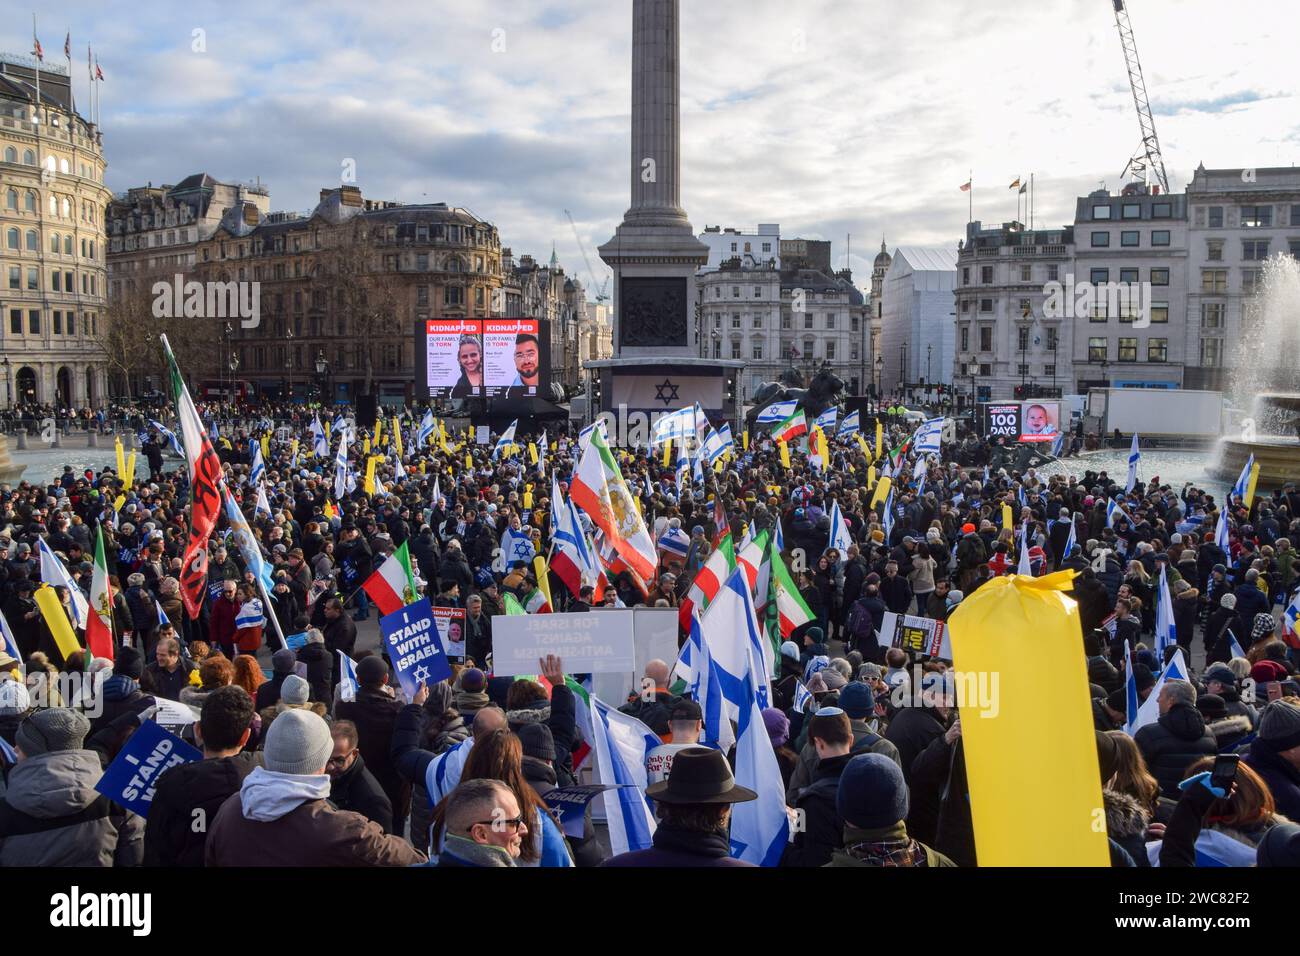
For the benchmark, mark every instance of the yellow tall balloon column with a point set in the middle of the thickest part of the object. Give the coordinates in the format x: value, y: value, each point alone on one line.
x: 1031, y: 755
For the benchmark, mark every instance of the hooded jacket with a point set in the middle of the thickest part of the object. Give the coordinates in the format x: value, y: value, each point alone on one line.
x: 1126, y: 824
x: 357, y: 789
x: 1173, y: 743
x: 279, y: 819
x: 57, y: 790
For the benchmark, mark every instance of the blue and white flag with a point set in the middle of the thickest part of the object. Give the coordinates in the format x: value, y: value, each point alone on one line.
x: 1058, y: 444
x: 620, y: 744
x: 347, y: 677
x: 679, y: 426
x: 1023, y: 566
x: 212, y: 430
x: 1072, y: 540
x: 731, y: 631
x: 714, y: 447
x: 263, y: 505
x: 1213, y: 848
x: 1020, y: 497
x: 584, y: 436
x: 802, y: 697
x: 1165, y: 629
x: 249, y: 549
x: 760, y: 828
x: 1114, y: 508
x: 1221, y: 533
x: 682, y: 469
x: 840, y: 538
x: 320, y: 446
x: 1149, y: 711
x: 426, y: 429
x: 1134, y: 456
x: 1243, y: 480
x: 506, y: 440
x: 541, y: 453
x: 162, y: 615
x: 826, y: 420
x: 341, y: 467
x: 928, y: 436
x: 887, y: 520
x: 728, y: 442
x: 258, y: 470
x: 675, y: 542
x: 169, y: 435
x: 1234, y: 647
x: 516, y: 546
x: 777, y: 412
x: 778, y: 538
x: 1130, y: 692
x: 706, y: 688
x: 340, y: 423
x: 10, y: 642
x: 697, y: 469
x: 55, y: 574
x: 850, y: 425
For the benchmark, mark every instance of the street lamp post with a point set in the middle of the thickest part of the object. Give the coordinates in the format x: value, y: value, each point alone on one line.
x: 288, y: 359
x: 322, y: 367
x: 902, y: 369
x: 880, y: 367
x: 973, y: 369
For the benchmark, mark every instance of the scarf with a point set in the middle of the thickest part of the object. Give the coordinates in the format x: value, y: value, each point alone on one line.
x: 476, y: 854
x: 468, y: 700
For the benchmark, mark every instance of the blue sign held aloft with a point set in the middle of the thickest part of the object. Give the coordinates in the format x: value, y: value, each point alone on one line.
x: 414, y: 647
x: 571, y: 804
x: 131, y: 778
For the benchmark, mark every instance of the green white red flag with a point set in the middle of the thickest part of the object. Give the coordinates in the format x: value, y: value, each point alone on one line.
x: 792, y: 427
x: 99, y: 622
x: 598, y: 489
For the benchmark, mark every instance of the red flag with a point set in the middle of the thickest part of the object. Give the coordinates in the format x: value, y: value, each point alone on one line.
x: 99, y: 74
x: 67, y: 45
x: 38, y: 52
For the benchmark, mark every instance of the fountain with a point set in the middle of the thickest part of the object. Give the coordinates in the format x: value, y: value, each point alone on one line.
x: 1267, y: 358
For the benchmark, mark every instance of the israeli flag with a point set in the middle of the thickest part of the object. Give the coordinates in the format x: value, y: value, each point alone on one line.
x: 1134, y: 456
x: 426, y: 429
x: 506, y: 440
x: 347, y: 677
x: 162, y: 615
x: 340, y: 423
x: 584, y: 436
x: 258, y: 471
x: 10, y: 642
x: 399, y: 471
x: 728, y: 442
x: 1058, y: 444
x: 1221, y: 532
x: 1021, y: 497
x: 169, y: 435
x: 888, y: 518
x: 516, y: 546
x: 840, y: 539
x: 54, y: 574
x: 918, y: 470
x: 1130, y: 692
x: 1243, y: 480
x: 1165, y: 629
x: 263, y: 506
x: 778, y: 539
x: 826, y: 420
x: 760, y: 828
x: 802, y: 698
x: 697, y: 469
x: 928, y: 437
x: 1149, y: 711
x: 677, y: 426
x: 850, y: 425
x: 1234, y: 647
x: 320, y: 446
x: 341, y: 467
x: 1023, y: 566
x: 1114, y: 508
x: 1213, y: 848
x: 621, y: 743
x: 1071, y: 541
x: 706, y: 688
x: 777, y: 412
x: 212, y: 430
x: 714, y: 446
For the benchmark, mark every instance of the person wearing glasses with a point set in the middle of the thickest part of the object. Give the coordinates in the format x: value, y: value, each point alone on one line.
x: 352, y: 786
x: 484, y: 826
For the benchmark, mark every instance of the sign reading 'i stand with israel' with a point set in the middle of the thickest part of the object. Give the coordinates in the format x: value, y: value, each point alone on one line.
x: 414, y: 647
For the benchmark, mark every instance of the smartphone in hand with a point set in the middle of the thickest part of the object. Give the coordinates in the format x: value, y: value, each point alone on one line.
x: 1224, y: 774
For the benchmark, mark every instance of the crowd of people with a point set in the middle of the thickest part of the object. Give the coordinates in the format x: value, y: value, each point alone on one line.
x: 301, y: 768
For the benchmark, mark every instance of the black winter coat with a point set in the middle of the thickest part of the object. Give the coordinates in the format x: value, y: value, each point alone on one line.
x: 186, y: 796
x: 1173, y: 743
x: 320, y: 669
x: 375, y: 714
x: 357, y: 789
x: 823, y: 828
x: 911, y: 730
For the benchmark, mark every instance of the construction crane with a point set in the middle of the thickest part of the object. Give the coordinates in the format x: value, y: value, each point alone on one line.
x: 601, y: 294
x: 1147, y: 161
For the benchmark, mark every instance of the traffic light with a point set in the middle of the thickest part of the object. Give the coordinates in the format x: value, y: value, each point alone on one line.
x: 1020, y: 391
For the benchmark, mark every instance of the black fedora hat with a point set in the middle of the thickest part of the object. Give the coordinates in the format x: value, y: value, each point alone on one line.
x: 700, y: 775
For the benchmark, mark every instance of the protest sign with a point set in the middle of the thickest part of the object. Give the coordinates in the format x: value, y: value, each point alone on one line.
x: 920, y: 635
x: 570, y: 803
x: 450, y: 622
x: 173, y: 713
x: 413, y: 647
x: 131, y: 778
x: 483, y: 435
x: 597, y: 642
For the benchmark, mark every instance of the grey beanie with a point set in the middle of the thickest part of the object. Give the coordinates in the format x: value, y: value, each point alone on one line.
x: 295, y: 690
x: 282, y: 661
x: 298, y: 741
x: 1279, y: 725
x: 58, y: 728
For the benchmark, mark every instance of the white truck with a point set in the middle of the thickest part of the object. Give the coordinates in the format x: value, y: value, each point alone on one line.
x: 1159, y: 413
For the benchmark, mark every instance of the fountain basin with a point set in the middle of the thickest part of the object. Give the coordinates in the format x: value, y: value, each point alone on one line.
x: 1278, y: 458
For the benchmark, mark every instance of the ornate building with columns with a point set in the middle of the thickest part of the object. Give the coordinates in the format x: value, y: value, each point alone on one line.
x: 53, y: 275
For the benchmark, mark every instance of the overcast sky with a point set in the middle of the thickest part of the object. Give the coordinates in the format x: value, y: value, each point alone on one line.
x: 831, y: 117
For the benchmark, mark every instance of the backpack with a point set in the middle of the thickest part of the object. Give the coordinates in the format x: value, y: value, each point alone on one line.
x: 861, y: 625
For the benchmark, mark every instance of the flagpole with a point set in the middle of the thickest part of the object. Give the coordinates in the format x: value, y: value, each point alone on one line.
x: 970, y: 196
x: 1031, y: 200
x: 36, y: 115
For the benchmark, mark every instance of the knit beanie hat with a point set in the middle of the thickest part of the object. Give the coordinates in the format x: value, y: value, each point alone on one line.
x: 857, y: 700
x: 57, y: 728
x: 870, y: 671
x: 1266, y: 671
x: 298, y: 741
x: 371, y: 671
x: 537, y: 741
x: 295, y: 691
x: 1280, y: 846
x: 872, y: 794
x: 790, y: 649
x: 1279, y: 725
x: 14, y: 698
x: 778, y: 726
x: 283, y: 661
x: 833, y: 678
x: 128, y: 662
x: 472, y: 680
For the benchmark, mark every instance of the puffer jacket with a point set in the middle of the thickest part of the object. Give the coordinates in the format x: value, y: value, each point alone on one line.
x: 58, y: 790
x: 1173, y: 743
